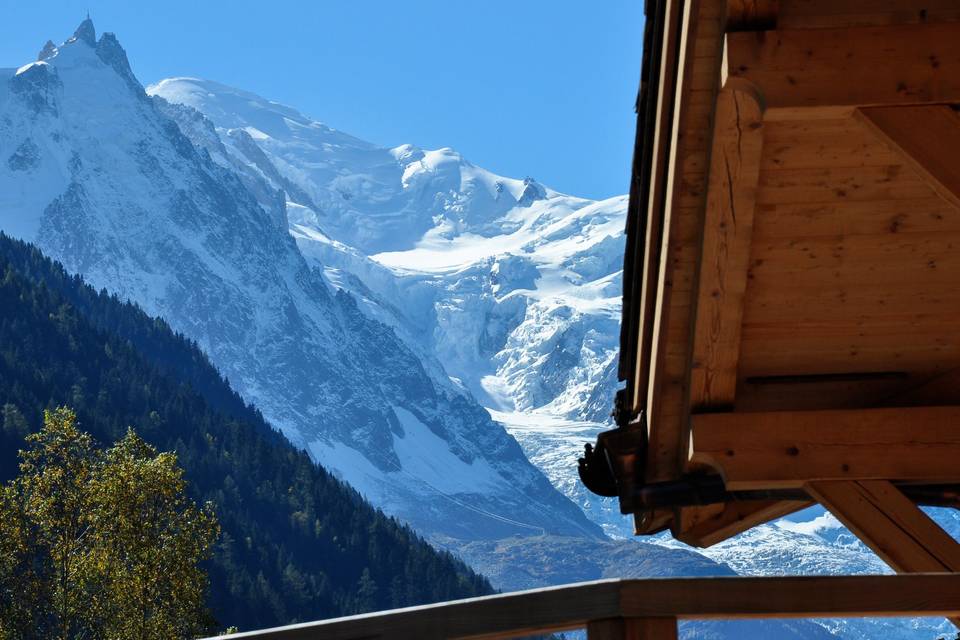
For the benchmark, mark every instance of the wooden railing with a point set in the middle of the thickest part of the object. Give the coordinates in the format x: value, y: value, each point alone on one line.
x: 642, y: 609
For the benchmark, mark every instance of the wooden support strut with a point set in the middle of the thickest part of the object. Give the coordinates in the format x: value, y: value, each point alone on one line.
x: 725, y: 253
x: 891, y: 525
x: 926, y: 137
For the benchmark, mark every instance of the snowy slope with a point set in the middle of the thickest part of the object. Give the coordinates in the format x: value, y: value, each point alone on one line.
x: 102, y: 178
x: 507, y: 286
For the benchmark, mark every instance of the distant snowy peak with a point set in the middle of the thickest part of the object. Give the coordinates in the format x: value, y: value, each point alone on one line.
x: 372, y: 198
x: 85, y: 33
x: 232, y: 108
x: 509, y: 284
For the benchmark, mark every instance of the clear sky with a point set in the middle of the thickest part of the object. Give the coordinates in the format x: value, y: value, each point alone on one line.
x: 541, y: 88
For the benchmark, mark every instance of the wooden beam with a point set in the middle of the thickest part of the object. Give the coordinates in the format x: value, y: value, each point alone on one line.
x: 891, y: 525
x: 653, y: 213
x: 575, y: 606
x: 927, y: 138
x: 752, y: 15
x: 819, y: 14
x: 856, y: 66
x: 706, y: 526
x: 787, y: 449
x: 633, y: 629
x: 790, y: 597
x: 725, y: 252
x: 941, y: 388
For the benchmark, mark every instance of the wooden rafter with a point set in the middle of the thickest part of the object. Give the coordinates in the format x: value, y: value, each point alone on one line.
x: 894, y: 527
x: 752, y: 15
x: 787, y: 449
x: 927, y: 137
x: 725, y: 253
x: 854, y: 66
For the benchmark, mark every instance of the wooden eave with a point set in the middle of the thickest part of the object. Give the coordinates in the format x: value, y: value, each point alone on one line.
x: 793, y: 248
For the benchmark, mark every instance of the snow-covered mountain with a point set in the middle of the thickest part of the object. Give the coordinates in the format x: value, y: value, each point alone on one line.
x: 103, y: 179
x: 506, y: 286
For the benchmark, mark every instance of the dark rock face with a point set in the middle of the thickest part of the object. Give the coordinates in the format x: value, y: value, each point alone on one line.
x: 49, y: 50
x: 26, y: 156
x: 86, y: 33
x: 114, y: 56
x: 532, y: 191
x: 39, y: 87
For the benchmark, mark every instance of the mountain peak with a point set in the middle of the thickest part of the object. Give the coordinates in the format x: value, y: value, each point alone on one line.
x: 86, y: 32
x: 49, y: 50
x: 111, y: 52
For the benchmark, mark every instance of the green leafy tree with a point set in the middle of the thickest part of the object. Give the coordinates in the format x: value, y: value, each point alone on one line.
x: 62, y: 342
x: 100, y: 544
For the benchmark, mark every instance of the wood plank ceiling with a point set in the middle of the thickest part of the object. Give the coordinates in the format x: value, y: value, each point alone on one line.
x: 802, y: 241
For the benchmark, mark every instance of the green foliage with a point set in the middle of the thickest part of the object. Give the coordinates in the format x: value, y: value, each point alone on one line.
x: 296, y: 543
x: 100, y: 544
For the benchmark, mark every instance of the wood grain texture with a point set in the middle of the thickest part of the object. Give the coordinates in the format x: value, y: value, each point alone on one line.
x: 927, y: 139
x: 574, y: 606
x: 854, y: 268
x: 699, y: 65
x: 890, y: 524
x: 633, y: 629
x: 706, y: 526
x: 752, y: 15
x: 787, y: 449
x: 725, y: 256
x: 897, y: 64
x: 819, y: 14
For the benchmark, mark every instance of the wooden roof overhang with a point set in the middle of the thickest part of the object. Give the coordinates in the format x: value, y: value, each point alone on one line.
x: 791, y: 321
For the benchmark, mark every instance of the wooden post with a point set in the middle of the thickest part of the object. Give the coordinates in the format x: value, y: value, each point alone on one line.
x: 633, y: 629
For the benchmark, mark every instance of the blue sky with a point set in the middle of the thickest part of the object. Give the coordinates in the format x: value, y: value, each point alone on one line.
x: 541, y: 88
